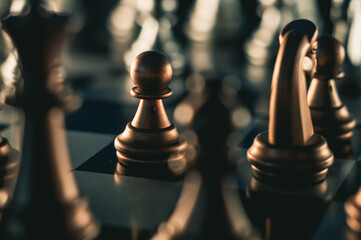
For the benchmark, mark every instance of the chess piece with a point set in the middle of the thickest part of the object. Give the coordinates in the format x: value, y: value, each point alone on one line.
x: 353, y: 212
x: 150, y: 145
x: 353, y: 47
x: 290, y: 151
x: 221, y: 22
x: 261, y: 45
x: 9, y: 72
x: 47, y: 202
x: 94, y: 35
x: 209, y: 207
x: 330, y: 117
x: 347, y: 20
x: 9, y: 168
x: 156, y: 21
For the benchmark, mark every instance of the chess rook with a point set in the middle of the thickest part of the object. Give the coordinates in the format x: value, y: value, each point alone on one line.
x: 290, y: 151
x: 150, y: 145
x: 330, y: 117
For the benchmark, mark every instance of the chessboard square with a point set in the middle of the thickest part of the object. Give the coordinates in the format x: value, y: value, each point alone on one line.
x: 104, y: 161
x: 84, y: 145
x: 128, y: 202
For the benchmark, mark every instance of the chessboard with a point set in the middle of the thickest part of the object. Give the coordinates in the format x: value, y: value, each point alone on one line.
x: 127, y: 205
x: 132, y: 207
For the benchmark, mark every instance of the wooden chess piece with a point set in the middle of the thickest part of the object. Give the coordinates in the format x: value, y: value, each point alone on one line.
x: 290, y: 152
x: 353, y: 212
x: 9, y: 168
x: 208, y: 207
x: 330, y: 117
x: 150, y: 145
x: 47, y: 202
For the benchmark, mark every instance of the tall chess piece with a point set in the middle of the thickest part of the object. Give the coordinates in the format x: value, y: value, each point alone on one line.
x: 150, y: 145
x: 9, y: 168
x: 290, y: 151
x: 9, y: 156
x: 46, y: 203
x: 209, y: 206
x: 330, y: 117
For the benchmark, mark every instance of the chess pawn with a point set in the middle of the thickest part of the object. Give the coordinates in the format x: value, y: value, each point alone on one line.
x: 330, y: 117
x: 353, y: 212
x: 150, y: 145
x: 290, y: 151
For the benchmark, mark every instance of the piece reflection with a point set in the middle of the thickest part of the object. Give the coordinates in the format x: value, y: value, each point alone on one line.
x: 285, y: 213
x: 209, y: 205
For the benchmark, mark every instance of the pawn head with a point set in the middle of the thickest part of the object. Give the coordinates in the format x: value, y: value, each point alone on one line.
x: 151, y: 72
x: 330, y: 55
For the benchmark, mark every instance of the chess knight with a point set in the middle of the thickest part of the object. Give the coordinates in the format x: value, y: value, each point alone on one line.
x: 290, y: 151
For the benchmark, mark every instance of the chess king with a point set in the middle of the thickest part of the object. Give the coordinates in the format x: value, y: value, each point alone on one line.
x: 47, y: 203
x: 150, y: 145
x: 290, y: 151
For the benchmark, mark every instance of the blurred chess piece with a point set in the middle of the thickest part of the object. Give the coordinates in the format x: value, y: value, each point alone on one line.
x: 330, y: 117
x: 10, y: 79
x: 260, y: 47
x: 122, y: 27
x: 46, y: 187
x: 150, y: 145
x: 353, y: 213
x: 317, y: 12
x: 9, y: 169
x: 209, y: 206
x: 146, y: 25
x: 94, y: 32
x: 215, y: 21
x: 285, y: 213
x: 5, y: 9
x: 353, y: 46
x: 10, y: 73
x: 347, y: 21
x: 215, y: 31
x: 201, y: 86
x: 290, y: 152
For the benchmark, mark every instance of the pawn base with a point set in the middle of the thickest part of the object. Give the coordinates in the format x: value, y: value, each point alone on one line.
x: 152, y: 171
x: 151, y: 153
x: 334, y: 124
